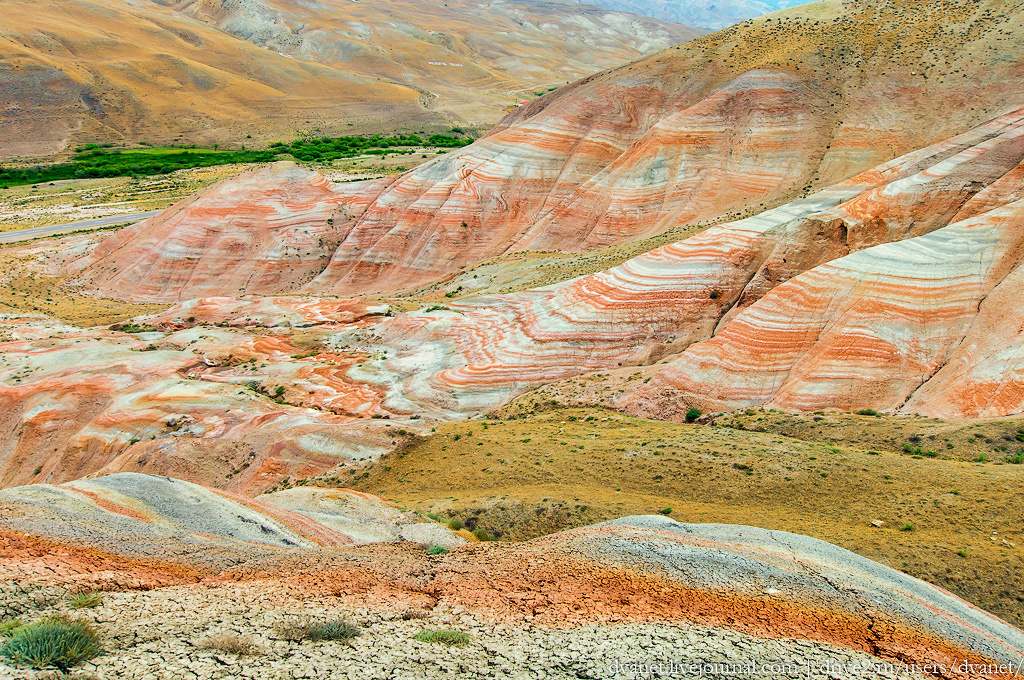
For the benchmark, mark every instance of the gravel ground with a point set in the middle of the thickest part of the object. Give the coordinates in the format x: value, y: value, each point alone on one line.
x: 159, y: 635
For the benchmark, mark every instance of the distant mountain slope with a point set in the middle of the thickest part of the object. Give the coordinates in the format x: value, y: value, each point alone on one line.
x: 711, y: 14
x: 218, y: 70
x: 730, y: 123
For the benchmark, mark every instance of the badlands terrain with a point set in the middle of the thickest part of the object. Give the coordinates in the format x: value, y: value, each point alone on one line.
x: 713, y: 358
x: 216, y: 71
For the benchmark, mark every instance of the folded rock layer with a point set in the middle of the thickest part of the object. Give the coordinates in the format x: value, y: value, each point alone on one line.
x: 850, y: 298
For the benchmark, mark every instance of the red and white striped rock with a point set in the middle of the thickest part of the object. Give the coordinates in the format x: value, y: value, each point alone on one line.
x: 487, y: 350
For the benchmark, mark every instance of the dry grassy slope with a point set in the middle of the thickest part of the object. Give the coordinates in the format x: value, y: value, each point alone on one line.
x: 112, y: 70
x: 712, y: 14
x: 541, y: 470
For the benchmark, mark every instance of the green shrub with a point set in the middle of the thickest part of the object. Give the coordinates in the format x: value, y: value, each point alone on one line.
x: 455, y: 525
x: 437, y: 550
x: 55, y: 641
x: 318, y: 631
x: 481, y: 535
x: 867, y: 412
x: 907, y: 527
x: 86, y: 600
x: 1015, y: 459
x: 666, y: 511
x: 692, y: 415
x: 443, y: 637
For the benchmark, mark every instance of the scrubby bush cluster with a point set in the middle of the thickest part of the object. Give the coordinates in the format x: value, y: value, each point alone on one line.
x: 339, y: 630
x: 443, y: 637
x: 56, y: 641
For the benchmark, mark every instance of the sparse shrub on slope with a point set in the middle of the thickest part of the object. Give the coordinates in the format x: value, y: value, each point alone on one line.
x: 56, y: 641
x: 341, y: 630
x: 443, y: 637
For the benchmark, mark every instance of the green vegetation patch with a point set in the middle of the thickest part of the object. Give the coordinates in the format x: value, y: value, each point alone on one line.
x: 56, y: 641
x: 96, y: 161
x: 443, y: 637
x: 102, y: 160
x: 326, y: 149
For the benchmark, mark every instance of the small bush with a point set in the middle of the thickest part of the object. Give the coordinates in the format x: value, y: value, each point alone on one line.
x: 867, y: 412
x: 1015, y: 459
x: 907, y: 527
x: 338, y: 629
x: 55, y: 641
x: 481, y: 535
x: 437, y: 550
x: 230, y: 643
x: 86, y: 600
x: 443, y: 637
x: 692, y: 415
x: 455, y: 525
x: 666, y: 511
x: 318, y: 631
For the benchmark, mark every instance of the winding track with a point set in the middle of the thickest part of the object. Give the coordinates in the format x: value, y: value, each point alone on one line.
x: 36, y: 232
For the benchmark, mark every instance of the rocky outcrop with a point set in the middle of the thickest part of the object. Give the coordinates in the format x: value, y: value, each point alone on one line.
x: 920, y: 326
x: 144, y: 516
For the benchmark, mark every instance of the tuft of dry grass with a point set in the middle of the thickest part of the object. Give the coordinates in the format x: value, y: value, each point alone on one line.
x: 85, y: 600
x: 230, y: 643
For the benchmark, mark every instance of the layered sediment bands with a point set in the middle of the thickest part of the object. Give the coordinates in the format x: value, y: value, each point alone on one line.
x: 225, y: 407
x: 143, y: 516
x: 568, y: 179
x: 270, y: 230
x: 482, y: 351
x: 719, y: 126
x: 868, y: 331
